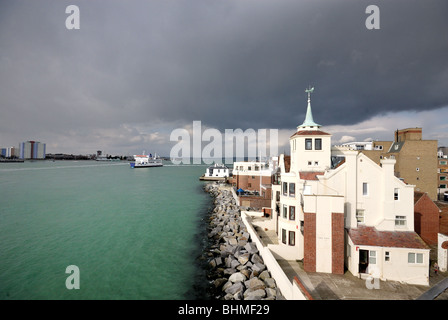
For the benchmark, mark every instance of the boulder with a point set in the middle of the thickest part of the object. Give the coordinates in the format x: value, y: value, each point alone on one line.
x: 250, y: 294
x: 270, y: 283
x: 255, y: 284
x: 235, y: 288
x: 258, y: 267
x: 265, y: 274
x: 251, y: 247
x: 237, y: 277
x: 243, y: 258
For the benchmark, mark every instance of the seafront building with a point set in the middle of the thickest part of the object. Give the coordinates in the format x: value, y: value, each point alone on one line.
x: 335, y: 207
x: 9, y: 152
x: 32, y: 150
x: 216, y: 172
x: 255, y: 179
x: 416, y: 158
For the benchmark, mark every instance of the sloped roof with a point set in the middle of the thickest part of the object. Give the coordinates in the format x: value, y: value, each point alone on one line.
x: 370, y: 236
x: 310, y: 133
x: 310, y: 175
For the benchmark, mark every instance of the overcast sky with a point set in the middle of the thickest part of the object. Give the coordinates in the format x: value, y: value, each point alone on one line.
x: 137, y: 70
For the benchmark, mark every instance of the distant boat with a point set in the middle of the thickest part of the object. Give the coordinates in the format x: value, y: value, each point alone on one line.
x: 145, y: 161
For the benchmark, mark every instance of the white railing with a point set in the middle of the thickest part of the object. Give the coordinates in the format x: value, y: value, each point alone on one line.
x: 289, y: 289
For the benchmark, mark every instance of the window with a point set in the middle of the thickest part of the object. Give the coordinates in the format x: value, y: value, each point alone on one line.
x: 378, y: 147
x: 387, y: 256
x: 396, y: 194
x: 442, y: 162
x: 318, y: 144
x: 284, y: 236
x: 415, y: 257
x: 310, y: 163
x: 417, y: 169
x: 292, y: 213
x: 442, y: 186
x: 302, y: 226
x: 400, y: 221
x: 292, y: 189
x: 285, y: 188
x: 308, y: 144
x: 285, y: 211
x: 292, y: 238
x: 360, y: 216
x: 316, y: 163
x: 442, y: 178
x: 365, y: 189
x: 372, y: 257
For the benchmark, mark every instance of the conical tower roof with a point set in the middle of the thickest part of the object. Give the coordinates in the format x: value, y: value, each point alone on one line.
x: 309, y: 121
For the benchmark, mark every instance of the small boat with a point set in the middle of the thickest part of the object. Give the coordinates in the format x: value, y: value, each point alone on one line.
x: 145, y: 161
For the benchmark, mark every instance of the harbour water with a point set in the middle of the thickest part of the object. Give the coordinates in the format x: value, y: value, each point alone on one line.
x: 133, y: 233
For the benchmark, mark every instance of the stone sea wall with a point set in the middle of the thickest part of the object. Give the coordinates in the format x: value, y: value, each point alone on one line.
x: 234, y: 268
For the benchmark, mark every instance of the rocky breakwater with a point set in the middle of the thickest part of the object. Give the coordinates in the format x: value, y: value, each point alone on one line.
x: 236, y: 271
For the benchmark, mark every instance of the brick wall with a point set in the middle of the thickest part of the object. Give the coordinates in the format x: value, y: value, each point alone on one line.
x: 249, y: 182
x: 337, y: 243
x: 426, y: 219
x: 309, y: 242
x: 255, y: 201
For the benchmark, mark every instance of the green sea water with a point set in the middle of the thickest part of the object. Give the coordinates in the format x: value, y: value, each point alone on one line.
x: 133, y: 233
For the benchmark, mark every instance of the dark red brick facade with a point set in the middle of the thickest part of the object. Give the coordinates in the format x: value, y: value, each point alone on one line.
x: 337, y: 243
x: 309, y: 242
x: 426, y: 218
x: 249, y: 182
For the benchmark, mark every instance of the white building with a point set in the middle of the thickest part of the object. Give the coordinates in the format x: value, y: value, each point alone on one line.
x: 337, y: 208
x: 32, y: 150
x: 217, y: 171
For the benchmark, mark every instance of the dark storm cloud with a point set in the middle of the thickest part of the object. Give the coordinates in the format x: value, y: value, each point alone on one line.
x: 230, y: 64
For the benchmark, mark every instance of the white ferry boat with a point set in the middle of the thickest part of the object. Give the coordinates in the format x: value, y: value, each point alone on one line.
x: 145, y: 161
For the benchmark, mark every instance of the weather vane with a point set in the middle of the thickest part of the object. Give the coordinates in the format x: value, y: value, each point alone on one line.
x: 309, y: 91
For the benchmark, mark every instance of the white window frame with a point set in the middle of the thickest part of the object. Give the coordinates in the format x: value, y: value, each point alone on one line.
x: 372, y: 257
x: 400, y: 221
x: 413, y: 258
x: 396, y: 194
x: 360, y: 216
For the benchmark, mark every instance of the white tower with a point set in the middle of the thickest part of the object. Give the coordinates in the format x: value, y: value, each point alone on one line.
x: 310, y: 147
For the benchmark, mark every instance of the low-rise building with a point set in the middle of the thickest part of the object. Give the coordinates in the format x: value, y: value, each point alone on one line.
x: 255, y: 178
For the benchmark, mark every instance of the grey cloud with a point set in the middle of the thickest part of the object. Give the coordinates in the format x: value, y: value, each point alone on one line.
x: 228, y: 63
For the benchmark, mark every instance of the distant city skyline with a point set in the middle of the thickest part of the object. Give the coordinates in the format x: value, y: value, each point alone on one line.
x: 133, y: 72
